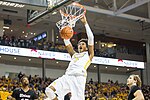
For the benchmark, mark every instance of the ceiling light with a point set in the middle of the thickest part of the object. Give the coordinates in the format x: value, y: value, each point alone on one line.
x: 57, y: 37
x: 5, y: 27
x: 95, y: 42
x: 11, y: 30
x: 57, y: 62
x: 15, y: 58
x: 114, y: 44
x: 3, y: 30
x: 124, y: 30
x: 106, y: 67
x: 26, y: 36
x: 34, y: 33
x: 117, y: 68
x: 94, y: 66
x: 54, y: 13
x: 22, y: 31
x: 109, y: 45
x: 0, y: 56
x: 29, y: 59
x: 31, y: 33
x: 103, y: 45
x: 128, y: 69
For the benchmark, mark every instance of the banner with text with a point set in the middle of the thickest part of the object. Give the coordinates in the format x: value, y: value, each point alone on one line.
x: 29, y: 2
x: 66, y: 57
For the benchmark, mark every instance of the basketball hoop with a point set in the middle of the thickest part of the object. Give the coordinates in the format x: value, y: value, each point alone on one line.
x: 70, y: 15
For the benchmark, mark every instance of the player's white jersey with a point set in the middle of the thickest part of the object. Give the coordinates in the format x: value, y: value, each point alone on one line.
x: 78, y: 64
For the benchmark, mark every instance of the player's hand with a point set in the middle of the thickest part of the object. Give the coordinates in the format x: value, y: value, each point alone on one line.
x: 83, y: 20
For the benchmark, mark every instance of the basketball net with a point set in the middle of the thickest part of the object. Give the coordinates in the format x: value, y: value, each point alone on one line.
x: 70, y: 15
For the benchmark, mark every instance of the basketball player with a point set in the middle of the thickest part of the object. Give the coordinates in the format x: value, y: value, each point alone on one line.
x: 74, y: 79
x: 24, y: 93
x: 134, y: 83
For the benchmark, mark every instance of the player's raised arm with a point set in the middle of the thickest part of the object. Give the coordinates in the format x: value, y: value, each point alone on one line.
x: 69, y: 47
x: 90, y: 37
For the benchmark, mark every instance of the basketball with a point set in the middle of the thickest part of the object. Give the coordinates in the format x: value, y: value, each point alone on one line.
x: 66, y: 32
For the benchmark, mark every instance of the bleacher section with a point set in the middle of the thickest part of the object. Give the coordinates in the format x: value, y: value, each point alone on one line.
x: 94, y: 91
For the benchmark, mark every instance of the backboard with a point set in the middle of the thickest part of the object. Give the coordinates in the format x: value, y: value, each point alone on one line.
x: 35, y: 16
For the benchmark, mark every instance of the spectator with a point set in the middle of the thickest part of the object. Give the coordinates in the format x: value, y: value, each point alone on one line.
x: 67, y: 96
x: 134, y: 83
x: 20, y: 75
x: 24, y: 93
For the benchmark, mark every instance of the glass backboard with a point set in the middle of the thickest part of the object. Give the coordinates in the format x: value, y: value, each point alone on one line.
x: 35, y: 16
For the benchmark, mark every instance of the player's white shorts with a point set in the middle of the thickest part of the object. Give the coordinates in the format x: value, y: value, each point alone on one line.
x: 73, y: 84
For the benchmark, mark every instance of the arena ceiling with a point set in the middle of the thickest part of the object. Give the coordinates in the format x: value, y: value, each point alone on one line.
x: 114, y: 18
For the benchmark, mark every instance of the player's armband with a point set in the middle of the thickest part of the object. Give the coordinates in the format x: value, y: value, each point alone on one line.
x: 67, y: 42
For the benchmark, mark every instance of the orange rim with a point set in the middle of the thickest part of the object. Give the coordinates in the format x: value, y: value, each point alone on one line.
x: 73, y: 16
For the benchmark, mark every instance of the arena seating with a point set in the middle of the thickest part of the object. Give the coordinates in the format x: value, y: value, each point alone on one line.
x: 94, y: 91
x: 49, y: 46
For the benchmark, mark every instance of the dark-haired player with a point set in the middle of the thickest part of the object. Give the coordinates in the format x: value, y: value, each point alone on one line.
x: 74, y: 79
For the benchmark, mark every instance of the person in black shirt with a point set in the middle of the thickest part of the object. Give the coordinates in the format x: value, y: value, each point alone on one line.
x: 134, y: 84
x: 20, y: 75
x: 24, y: 93
x: 67, y: 96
